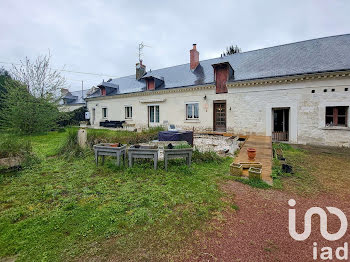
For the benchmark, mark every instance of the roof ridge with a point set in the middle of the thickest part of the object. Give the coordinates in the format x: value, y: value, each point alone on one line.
x: 292, y: 43
x: 301, y: 41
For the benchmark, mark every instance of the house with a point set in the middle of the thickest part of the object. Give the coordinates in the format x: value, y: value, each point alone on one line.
x: 73, y: 100
x: 297, y: 92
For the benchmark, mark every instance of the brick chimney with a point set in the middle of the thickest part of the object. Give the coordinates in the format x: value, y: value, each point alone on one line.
x: 194, y: 57
x: 140, y: 70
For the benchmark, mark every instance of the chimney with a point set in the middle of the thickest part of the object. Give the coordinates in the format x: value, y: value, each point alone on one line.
x: 194, y: 57
x: 140, y: 70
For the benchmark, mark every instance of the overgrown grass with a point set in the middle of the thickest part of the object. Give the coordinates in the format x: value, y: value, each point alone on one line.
x: 61, y: 210
x: 96, y: 136
x: 316, y: 170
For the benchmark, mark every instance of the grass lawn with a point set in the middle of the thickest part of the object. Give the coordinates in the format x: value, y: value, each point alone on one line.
x: 317, y: 170
x: 68, y: 209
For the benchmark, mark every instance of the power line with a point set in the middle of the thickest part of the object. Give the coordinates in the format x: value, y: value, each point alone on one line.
x: 63, y: 70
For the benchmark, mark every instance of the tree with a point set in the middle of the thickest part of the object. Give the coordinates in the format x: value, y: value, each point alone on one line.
x: 29, y: 104
x: 4, y: 76
x: 39, y: 78
x: 24, y: 113
x: 231, y: 50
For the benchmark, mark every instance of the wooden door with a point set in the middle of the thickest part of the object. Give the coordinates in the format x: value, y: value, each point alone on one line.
x: 220, y: 116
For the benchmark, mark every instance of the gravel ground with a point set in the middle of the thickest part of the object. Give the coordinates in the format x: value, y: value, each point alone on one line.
x: 258, y: 231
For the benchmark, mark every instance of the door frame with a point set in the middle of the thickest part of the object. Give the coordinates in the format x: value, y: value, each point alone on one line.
x: 284, y: 122
x: 214, y: 118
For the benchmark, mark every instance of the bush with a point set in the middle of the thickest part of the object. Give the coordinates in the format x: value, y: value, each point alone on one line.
x: 70, y: 147
x: 13, y: 146
x: 23, y: 113
x: 97, y: 136
x: 72, y: 117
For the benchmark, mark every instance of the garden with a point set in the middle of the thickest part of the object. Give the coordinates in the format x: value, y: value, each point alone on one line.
x: 60, y: 206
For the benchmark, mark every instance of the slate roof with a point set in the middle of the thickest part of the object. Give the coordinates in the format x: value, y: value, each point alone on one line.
x: 75, y: 97
x: 311, y: 56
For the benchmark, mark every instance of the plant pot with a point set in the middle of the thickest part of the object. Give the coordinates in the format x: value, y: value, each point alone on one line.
x: 251, y: 153
x: 114, y: 145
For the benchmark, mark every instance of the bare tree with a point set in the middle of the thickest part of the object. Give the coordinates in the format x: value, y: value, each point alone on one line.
x: 40, y: 79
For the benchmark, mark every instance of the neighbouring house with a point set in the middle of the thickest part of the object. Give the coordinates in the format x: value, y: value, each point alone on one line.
x: 73, y: 100
x: 296, y: 92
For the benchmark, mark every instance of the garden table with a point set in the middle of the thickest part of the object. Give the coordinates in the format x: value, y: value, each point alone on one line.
x: 143, y: 152
x: 105, y: 149
x: 177, y: 153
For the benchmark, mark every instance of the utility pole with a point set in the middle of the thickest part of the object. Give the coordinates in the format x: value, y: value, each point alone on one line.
x: 82, y: 89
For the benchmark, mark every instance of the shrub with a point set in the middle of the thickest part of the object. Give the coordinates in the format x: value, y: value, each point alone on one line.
x: 96, y: 136
x: 13, y: 146
x: 23, y: 113
x: 70, y: 147
x: 71, y: 118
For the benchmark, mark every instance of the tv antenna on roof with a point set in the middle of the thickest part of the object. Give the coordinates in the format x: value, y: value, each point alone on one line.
x: 141, y: 46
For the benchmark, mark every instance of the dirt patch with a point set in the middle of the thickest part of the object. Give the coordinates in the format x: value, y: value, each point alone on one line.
x: 258, y: 230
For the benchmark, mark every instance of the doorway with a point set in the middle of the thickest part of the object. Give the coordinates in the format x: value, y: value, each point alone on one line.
x: 93, y: 116
x: 280, y: 124
x: 220, y: 116
x: 153, y: 115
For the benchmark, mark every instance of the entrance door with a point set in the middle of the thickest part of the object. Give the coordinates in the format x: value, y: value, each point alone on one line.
x: 153, y: 116
x: 220, y: 116
x: 280, y: 124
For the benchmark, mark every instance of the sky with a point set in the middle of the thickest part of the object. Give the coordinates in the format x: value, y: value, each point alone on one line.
x: 102, y: 37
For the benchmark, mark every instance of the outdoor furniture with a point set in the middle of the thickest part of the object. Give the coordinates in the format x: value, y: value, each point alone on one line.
x: 114, y: 124
x: 177, y: 153
x: 150, y: 152
x: 176, y: 136
x: 105, y: 149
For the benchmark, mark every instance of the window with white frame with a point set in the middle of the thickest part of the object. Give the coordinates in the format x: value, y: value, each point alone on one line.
x: 153, y: 114
x: 192, y: 111
x: 128, y: 112
x: 104, y: 112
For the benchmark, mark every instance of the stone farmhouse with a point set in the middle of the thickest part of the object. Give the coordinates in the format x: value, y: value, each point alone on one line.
x: 297, y: 92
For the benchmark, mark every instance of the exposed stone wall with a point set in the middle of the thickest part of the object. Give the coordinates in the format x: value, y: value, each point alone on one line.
x: 249, y: 109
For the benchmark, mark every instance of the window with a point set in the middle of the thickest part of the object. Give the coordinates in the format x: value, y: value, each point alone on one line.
x: 192, y: 111
x: 128, y: 112
x: 154, y: 114
x: 337, y: 116
x: 104, y: 112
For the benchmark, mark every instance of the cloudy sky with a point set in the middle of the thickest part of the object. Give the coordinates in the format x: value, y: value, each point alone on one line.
x: 102, y: 37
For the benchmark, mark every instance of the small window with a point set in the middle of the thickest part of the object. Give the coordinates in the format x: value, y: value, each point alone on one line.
x: 192, y: 111
x: 337, y: 116
x: 128, y: 112
x: 333, y: 89
x: 313, y: 91
x: 325, y: 90
x: 104, y: 112
x: 346, y: 89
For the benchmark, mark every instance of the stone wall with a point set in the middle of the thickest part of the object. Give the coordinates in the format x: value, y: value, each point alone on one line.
x: 249, y: 109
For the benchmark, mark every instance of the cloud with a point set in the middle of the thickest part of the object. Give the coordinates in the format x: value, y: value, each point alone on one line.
x: 103, y: 36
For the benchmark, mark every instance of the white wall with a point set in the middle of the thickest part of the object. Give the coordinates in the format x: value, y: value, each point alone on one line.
x: 249, y: 109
